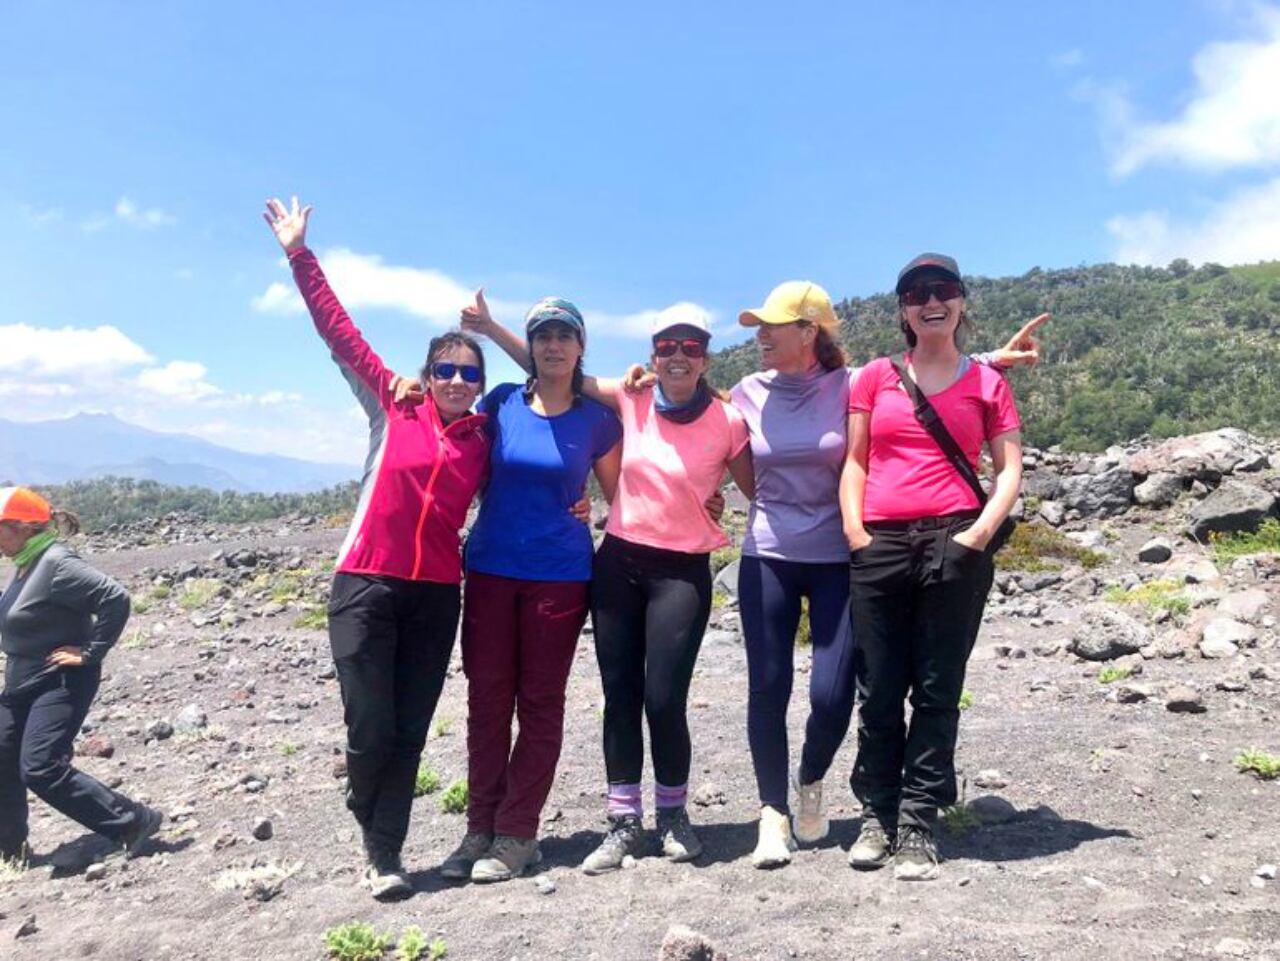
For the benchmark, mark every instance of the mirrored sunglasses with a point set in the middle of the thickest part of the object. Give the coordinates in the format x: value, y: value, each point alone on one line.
x: 691, y: 347
x: 443, y: 370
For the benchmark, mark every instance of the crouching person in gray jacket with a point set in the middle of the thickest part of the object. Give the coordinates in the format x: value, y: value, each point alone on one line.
x: 58, y: 619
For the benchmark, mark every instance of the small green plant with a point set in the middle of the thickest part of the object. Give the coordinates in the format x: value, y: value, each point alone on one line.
x: 140, y: 604
x: 443, y: 726
x: 966, y: 700
x: 454, y: 798
x: 12, y: 868
x: 135, y: 640
x: 1160, y: 595
x: 1259, y: 763
x: 958, y: 818
x: 355, y: 942
x: 288, y: 748
x: 1265, y: 540
x: 161, y: 592
x: 1113, y: 673
x: 413, y: 946
x: 314, y: 618
x: 719, y: 599
x: 804, y: 634
x: 427, y: 781
x: 1036, y: 547
x: 722, y: 558
x: 198, y: 592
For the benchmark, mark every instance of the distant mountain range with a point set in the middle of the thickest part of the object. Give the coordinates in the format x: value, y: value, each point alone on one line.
x: 86, y: 446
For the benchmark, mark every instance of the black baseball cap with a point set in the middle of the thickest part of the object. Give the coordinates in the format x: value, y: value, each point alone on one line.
x: 939, y: 262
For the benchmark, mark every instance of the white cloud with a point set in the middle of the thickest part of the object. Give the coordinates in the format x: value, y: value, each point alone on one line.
x: 182, y: 380
x: 278, y: 298
x: 128, y: 212
x: 641, y: 323
x: 1231, y: 120
x: 1243, y: 228
x: 43, y: 351
x: 1067, y: 58
x: 39, y: 216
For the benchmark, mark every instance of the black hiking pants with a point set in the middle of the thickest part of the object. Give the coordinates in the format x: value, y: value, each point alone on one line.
x: 391, y: 641
x: 916, y: 600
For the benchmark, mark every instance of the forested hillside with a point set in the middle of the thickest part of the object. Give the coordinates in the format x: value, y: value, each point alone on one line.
x: 1130, y: 350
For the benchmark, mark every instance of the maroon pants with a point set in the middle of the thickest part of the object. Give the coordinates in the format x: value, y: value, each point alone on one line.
x: 518, y: 640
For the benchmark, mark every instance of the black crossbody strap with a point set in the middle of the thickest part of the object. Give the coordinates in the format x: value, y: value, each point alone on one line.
x: 932, y: 422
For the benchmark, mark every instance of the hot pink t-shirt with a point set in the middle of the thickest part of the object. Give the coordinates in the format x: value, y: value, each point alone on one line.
x: 908, y: 475
x: 668, y: 472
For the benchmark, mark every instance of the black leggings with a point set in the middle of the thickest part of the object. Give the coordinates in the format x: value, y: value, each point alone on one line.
x: 391, y: 641
x: 650, y: 609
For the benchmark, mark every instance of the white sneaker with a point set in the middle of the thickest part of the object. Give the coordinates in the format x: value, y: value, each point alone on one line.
x: 811, y: 822
x: 774, y: 847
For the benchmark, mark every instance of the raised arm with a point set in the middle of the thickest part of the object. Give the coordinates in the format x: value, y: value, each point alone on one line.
x: 853, y: 480
x: 1022, y: 349
x: 348, y: 346
x: 477, y: 319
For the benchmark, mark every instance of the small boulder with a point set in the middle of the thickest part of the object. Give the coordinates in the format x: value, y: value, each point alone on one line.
x: 263, y: 829
x: 1181, y: 699
x: 190, y: 719
x: 1106, y: 633
x: 1102, y: 494
x: 1159, y: 490
x: 992, y: 809
x: 727, y: 580
x: 96, y: 745
x: 1233, y: 507
x: 685, y: 944
x: 159, y: 730
x: 1155, y: 551
x: 1246, y: 605
x: 1223, y: 637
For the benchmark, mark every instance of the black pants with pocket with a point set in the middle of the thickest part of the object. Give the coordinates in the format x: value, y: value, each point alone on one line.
x: 38, y: 727
x: 649, y: 608
x: 391, y: 641
x: 916, y: 598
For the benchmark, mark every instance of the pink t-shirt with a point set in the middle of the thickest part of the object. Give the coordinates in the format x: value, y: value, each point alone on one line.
x: 668, y: 472
x: 908, y: 475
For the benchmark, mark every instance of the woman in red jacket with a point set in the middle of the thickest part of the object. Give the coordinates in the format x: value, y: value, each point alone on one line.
x: 393, y: 611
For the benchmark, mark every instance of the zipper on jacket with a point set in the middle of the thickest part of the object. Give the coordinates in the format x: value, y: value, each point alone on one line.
x: 428, y: 492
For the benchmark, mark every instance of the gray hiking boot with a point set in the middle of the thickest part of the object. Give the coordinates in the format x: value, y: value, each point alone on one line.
x: 916, y: 858
x: 624, y: 837
x: 457, y: 866
x: 508, y: 857
x: 679, y: 840
x: 385, y: 877
x: 874, y: 846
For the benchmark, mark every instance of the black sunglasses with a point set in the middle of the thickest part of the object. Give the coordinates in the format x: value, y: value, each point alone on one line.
x: 690, y: 347
x: 917, y: 295
x: 443, y: 370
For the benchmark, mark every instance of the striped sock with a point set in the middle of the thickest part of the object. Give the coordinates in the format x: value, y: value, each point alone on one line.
x: 625, y: 799
x: 670, y: 797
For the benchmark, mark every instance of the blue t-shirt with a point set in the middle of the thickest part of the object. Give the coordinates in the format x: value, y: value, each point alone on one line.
x: 538, y: 469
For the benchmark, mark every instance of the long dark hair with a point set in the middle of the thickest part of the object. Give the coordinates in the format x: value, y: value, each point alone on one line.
x: 829, y: 353
x: 447, y: 341
x: 575, y: 386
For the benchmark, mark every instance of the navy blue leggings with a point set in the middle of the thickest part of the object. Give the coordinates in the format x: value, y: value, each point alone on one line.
x: 769, y: 595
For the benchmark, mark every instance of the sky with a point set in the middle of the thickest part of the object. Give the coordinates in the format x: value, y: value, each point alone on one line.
x: 632, y: 158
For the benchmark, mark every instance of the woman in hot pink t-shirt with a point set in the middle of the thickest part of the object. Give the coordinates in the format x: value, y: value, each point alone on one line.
x: 651, y: 576
x: 920, y: 567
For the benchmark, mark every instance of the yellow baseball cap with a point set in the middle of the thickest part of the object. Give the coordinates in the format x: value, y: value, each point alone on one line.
x: 792, y: 301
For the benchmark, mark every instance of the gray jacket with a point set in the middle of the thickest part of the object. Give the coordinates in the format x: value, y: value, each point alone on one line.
x: 59, y: 601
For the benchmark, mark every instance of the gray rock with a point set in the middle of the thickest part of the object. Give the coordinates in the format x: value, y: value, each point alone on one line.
x: 159, y: 730
x: 990, y: 779
x: 1246, y: 605
x: 190, y: 719
x: 1223, y: 636
x: 263, y: 829
x: 1039, y: 581
x: 684, y: 944
x: 95, y: 872
x: 1181, y: 699
x: 992, y: 809
x: 1266, y: 871
x: 1155, y: 551
x: 1158, y: 490
x: 1233, y: 507
x: 1205, y: 456
x: 1041, y: 484
x: 1052, y: 513
x: 1106, y: 633
x: 1094, y: 540
x: 1133, y: 693
x: 27, y: 928
x: 727, y: 580
x: 1098, y: 495
x: 544, y: 885
x: 708, y: 794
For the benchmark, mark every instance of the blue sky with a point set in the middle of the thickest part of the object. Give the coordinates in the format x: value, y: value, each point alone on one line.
x: 628, y: 160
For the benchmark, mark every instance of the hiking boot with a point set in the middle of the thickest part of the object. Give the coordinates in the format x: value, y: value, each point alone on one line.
x: 457, y: 866
x: 144, y: 828
x: 811, y: 824
x: 625, y: 836
x: 679, y: 840
x: 916, y: 858
x: 508, y: 857
x: 775, y: 844
x: 874, y: 847
x: 385, y: 877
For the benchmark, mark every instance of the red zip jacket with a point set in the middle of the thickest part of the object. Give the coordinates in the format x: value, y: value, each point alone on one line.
x: 420, y: 475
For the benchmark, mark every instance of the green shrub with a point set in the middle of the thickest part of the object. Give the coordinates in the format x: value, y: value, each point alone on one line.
x: 426, y: 782
x: 966, y: 700
x: 355, y: 942
x: 1111, y: 674
x: 1036, y: 547
x: 1266, y: 540
x: 1160, y: 595
x: 722, y: 558
x: 413, y: 946
x: 958, y: 818
x: 443, y: 726
x: 314, y: 618
x: 198, y: 592
x: 454, y: 798
x: 1258, y: 762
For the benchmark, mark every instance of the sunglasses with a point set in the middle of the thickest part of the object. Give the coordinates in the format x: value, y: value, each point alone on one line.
x: 917, y: 295
x: 443, y: 370
x: 692, y: 347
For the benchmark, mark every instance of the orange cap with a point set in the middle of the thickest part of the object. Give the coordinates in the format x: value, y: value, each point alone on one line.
x: 23, y: 505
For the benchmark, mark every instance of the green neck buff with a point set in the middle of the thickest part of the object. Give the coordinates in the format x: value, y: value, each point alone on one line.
x: 34, y: 547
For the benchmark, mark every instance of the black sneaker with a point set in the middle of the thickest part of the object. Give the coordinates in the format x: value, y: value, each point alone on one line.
x: 916, y: 858
x: 625, y: 836
x: 679, y: 840
x: 385, y: 877
x: 145, y: 826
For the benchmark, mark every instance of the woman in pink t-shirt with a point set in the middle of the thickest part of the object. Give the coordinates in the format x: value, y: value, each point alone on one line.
x: 921, y: 565
x: 651, y: 576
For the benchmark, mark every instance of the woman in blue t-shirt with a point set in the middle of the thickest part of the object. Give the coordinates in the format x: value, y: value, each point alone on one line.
x: 528, y: 563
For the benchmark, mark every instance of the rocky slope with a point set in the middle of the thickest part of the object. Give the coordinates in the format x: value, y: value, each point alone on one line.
x: 1123, y: 669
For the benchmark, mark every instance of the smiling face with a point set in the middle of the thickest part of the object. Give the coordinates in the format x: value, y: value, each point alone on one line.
x: 786, y: 347
x: 679, y: 372
x: 556, y: 350
x: 937, y: 320
x: 454, y: 395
